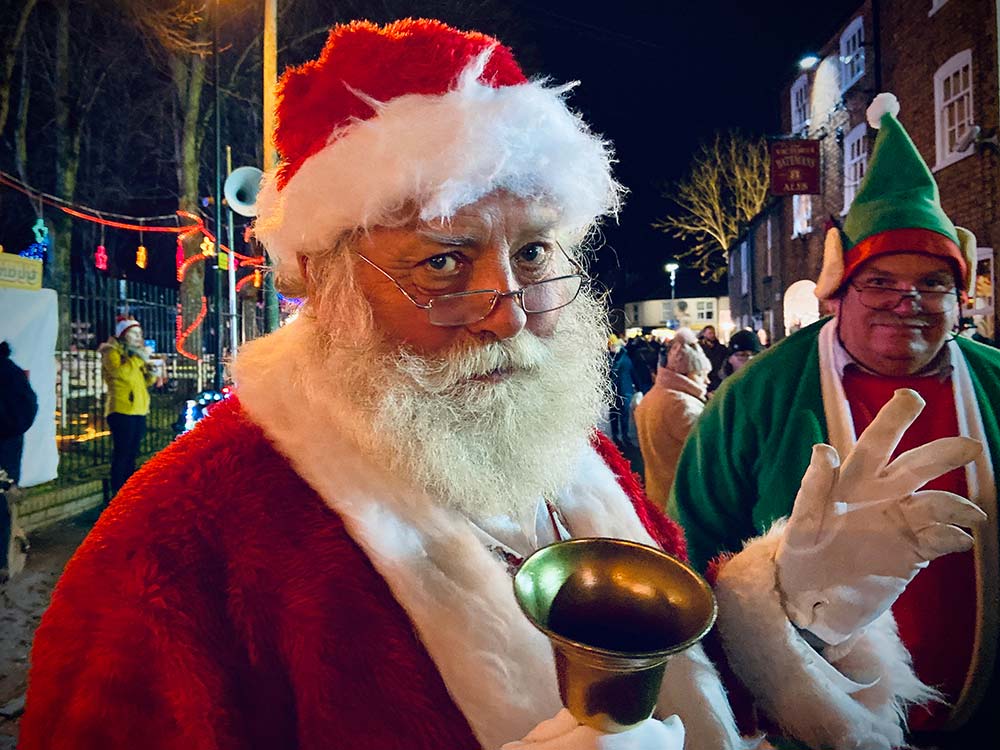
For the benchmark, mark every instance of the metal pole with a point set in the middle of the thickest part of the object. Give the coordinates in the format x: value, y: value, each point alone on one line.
x: 217, y: 296
x: 271, y: 317
x: 231, y: 266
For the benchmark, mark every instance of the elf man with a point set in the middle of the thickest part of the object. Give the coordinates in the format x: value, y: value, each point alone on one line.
x: 324, y: 561
x: 896, y: 274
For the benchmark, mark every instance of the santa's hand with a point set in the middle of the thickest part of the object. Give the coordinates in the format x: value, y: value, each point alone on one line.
x: 563, y: 732
x: 860, y: 532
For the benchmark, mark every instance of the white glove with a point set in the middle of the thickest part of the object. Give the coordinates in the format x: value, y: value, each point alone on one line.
x: 858, y: 535
x: 562, y: 732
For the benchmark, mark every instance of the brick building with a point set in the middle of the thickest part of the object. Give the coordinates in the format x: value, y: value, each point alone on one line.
x: 940, y: 57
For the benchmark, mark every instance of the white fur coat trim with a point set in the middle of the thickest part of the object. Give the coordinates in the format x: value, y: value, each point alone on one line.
x: 981, y: 483
x: 498, y: 668
x: 816, y: 702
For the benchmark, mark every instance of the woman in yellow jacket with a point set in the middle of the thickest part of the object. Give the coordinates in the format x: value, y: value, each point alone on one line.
x: 128, y: 375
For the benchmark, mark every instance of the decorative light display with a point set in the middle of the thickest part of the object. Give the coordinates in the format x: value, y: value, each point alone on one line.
x: 198, y: 408
x: 182, y: 336
x: 224, y: 261
x: 101, y: 258
x: 40, y: 247
x: 179, y: 257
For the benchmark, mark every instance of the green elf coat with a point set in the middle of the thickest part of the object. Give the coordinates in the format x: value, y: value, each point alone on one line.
x: 741, y: 467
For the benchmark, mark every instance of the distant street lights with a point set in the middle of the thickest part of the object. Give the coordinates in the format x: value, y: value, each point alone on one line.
x: 671, y: 268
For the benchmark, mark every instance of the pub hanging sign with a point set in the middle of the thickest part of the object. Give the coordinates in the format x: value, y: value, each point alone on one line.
x: 795, y: 167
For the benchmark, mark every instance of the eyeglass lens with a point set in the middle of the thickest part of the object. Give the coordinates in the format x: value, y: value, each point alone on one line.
x: 464, y: 308
x: 879, y: 298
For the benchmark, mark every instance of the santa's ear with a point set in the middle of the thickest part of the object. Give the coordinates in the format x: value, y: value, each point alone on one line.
x: 832, y: 274
x: 967, y: 244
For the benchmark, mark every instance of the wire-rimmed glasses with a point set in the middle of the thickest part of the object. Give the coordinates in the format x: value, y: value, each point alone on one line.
x: 465, y: 308
x: 932, y: 301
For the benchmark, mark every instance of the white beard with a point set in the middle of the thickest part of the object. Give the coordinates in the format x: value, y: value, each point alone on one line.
x: 484, y: 448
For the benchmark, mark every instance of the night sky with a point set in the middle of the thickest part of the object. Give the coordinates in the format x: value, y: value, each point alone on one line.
x: 658, y: 77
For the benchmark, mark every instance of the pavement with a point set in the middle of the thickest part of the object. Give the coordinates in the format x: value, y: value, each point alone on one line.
x: 22, y: 602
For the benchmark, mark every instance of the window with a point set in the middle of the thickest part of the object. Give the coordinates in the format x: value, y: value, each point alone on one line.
x: 705, y: 309
x: 667, y: 312
x: 953, y: 108
x: 855, y: 162
x: 802, y: 210
x: 935, y: 6
x: 800, y: 104
x: 852, y: 54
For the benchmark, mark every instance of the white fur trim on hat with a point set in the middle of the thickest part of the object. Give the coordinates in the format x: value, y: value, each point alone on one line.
x: 443, y: 152
x: 123, y: 325
x: 884, y: 103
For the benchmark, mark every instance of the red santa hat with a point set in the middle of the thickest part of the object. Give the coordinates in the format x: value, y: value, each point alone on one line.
x: 123, y: 323
x: 419, y: 113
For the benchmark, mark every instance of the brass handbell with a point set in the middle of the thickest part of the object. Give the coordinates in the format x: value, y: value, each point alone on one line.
x: 614, y: 611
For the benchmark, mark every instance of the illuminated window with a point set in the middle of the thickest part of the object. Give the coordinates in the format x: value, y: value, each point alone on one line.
x: 855, y: 162
x: 802, y: 213
x: 953, y: 108
x: 705, y: 309
x: 800, y: 104
x: 852, y: 54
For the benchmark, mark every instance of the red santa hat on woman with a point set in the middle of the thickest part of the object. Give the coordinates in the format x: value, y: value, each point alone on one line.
x: 123, y: 323
x: 419, y: 114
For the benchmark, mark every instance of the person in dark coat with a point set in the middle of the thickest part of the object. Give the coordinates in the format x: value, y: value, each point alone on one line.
x: 18, y: 407
x: 716, y: 352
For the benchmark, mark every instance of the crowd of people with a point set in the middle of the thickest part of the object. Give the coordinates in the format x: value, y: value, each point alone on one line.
x: 327, y: 557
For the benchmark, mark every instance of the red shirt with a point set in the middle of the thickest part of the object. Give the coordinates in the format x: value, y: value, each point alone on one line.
x: 936, y: 613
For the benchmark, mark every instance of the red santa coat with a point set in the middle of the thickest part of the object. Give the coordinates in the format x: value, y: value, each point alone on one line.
x: 221, y: 603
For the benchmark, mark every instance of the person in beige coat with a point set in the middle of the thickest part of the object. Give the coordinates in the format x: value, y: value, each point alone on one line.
x: 667, y: 413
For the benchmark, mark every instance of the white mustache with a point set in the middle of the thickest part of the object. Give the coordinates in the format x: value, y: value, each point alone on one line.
x: 524, y: 353
x: 903, y: 322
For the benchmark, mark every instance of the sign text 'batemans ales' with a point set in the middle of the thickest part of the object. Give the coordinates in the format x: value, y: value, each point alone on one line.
x: 795, y: 167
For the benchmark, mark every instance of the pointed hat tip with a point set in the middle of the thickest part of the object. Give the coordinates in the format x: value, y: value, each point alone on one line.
x: 884, y: 103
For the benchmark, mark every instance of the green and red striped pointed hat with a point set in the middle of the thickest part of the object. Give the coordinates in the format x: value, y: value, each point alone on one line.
x: 897, y: 210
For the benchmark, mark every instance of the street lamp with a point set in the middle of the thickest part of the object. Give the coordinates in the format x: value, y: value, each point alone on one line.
x: 217, y: 296
x: 808, y: 62
x: 671, y: 268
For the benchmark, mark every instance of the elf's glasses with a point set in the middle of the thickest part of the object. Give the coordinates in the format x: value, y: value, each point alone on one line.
x: 932, y: 301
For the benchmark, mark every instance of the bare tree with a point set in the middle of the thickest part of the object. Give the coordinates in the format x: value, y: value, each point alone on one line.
x: 10, y: 42
x: 724, y: 190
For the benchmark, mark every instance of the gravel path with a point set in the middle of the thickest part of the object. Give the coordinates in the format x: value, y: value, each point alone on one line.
x: 22, y: 602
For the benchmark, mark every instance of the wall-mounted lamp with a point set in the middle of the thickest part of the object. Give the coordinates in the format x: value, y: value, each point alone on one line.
x: 808, y: 62
x: 974, y: 136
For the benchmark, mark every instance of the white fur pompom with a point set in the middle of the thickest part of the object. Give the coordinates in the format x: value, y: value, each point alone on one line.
x: 880, y: 105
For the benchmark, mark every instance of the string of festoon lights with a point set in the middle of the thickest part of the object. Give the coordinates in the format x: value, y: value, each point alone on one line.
x: 193, y: 225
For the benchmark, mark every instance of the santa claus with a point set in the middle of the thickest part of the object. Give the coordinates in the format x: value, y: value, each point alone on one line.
x: 325, y: 560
